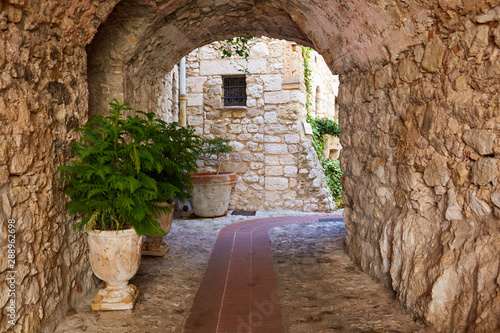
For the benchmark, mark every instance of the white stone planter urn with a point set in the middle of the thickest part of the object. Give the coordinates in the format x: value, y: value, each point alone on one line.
x: 115, y: 257
x: 154, y: 245
x: 211, y: 193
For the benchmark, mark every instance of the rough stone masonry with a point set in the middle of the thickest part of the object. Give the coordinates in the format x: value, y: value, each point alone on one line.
x: 419, y: 109
x: 276, y: 164
x: 423, y: 137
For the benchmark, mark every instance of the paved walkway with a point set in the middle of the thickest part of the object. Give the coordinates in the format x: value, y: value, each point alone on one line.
x: 238, y: 292
x: 221, y: 276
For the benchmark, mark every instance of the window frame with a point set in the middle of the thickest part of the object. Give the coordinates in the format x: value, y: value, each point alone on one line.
x: 240, y: 90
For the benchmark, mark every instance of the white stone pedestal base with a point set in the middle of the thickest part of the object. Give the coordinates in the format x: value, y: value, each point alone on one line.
x: 154, y: 246
x: 115, y: 298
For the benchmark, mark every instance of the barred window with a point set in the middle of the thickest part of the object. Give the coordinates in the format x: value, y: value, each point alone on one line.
x: 235, y: 91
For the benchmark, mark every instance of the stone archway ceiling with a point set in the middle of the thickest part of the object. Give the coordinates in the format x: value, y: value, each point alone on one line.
x: 177, y: 31
x: 345, y: 32
x: 142, y: 40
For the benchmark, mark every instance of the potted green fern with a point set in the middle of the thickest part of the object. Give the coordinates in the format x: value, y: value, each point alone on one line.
x: 211, y: 191
x: 113, y: 185
x: 181, y: 149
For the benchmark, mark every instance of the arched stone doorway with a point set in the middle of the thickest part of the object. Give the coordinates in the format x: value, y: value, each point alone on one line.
x: 384, y: 75
x: 418, y: 103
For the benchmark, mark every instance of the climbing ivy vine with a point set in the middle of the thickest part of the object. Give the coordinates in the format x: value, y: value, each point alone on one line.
x: 333, y: 174
x: 236, y: 46
x: 306, y: 54
x: 321, y: 127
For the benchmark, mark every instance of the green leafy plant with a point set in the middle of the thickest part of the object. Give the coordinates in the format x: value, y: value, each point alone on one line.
x: 236, y: 45
x: 218, y: 147
x: 124, y: 168
x: 320, y: 127
x: 333, y: 175
x: 306, y: 54
x: 331, y: 167
x: 180, y: 151
x: 326, y: 126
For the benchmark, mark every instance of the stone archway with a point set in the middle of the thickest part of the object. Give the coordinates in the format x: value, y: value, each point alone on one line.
x: 383, y: 74
x: 418, y: 105
x: 141, y: 40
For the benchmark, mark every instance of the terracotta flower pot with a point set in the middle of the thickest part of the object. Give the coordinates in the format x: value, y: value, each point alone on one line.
x: 154, y: 245
x: 211, y: 193
x: 115, y: 257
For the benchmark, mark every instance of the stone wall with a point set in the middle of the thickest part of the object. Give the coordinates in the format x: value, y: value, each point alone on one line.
x: 276, y: 165
x: 168, y: 100
x: 325, y: 88
x: 108, y: 55
x: 422, y: 142
x: 43, y: 97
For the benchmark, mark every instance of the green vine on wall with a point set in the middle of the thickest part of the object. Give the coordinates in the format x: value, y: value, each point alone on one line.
x: 306, y: 54
x: 236, y: 46
x: 321, y: 127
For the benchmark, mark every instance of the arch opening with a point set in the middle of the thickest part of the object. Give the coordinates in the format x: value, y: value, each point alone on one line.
x: 141, y: 40
x: 266, y: 125
x: 389, y: 65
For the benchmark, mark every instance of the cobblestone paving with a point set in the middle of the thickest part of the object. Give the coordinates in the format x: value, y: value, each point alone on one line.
x: 325, y: 293
x: 167, y: 286
x: 321, y: 290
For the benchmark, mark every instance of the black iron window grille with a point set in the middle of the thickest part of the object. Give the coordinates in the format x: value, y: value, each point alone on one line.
x: 235, y: 91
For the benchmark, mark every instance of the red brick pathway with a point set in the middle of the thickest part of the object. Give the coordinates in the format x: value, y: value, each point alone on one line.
x: 238, y: 293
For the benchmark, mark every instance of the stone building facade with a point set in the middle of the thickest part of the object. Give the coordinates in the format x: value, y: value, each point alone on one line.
x: 418, y: 106
x: 276, y: 165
